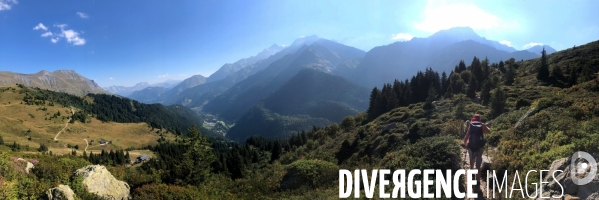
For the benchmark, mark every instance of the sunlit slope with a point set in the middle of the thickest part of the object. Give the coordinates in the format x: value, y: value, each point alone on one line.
x: 33, y: 125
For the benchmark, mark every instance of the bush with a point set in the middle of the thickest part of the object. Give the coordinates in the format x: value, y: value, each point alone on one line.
x: 315, y: 173
x: 422, y: 129
x: 163, y: 191
x: 522, y: 103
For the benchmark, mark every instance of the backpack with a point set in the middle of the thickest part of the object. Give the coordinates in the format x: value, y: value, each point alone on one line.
x: 476, y: 139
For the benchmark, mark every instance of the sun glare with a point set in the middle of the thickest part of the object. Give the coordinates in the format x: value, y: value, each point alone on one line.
x: 439, y: 17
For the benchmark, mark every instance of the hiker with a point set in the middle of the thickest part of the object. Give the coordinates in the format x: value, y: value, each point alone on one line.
x: 475, y: 142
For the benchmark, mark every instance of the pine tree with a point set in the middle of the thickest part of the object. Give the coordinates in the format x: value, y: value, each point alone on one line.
x: 501, y: 66
x: 449, y: 92
x: 509, y: 75
x: 573, y: 76
x: 127, y: 157
x: 432, y: 96
x: 276, y: 151
x: 195, y: 164
x: 543, y: 74
x: 485, y: 67
x: 373, y: 108
x: 461, y: 66
x: 461, y: 105
x: 444, y: 84
x: 85, y: 155
x: 477, y: 71
x: 497, y: 102
x: 485, y: 94
x: 471, y: 92
x: 1, y: 141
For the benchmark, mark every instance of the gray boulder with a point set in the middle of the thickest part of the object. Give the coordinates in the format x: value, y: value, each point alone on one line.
x: 28, y: 166
x: 62, y: 192
x: 98, y: 180
x: 571, y: 190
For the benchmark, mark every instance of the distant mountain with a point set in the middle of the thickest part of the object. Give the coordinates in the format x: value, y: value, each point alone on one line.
x: 166, y: 84
x: 458, y: 34
x: 229, y: 68
x: 188, y: 83
x: 67, y: 81
x: 322, y: 55
x: 126, y: 91
x: 148, y: 95
x: 441, y: 52
x: 309, y: 98
x: 539, y: 48
x: 201, y: 94
x: 446, y: 58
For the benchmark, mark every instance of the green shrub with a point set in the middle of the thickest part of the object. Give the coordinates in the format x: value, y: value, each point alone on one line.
x: 315, y: 173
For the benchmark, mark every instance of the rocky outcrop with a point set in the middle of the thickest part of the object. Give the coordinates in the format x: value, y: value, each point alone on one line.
x: 571, y: 190
x: 62, y: 192
x: 26, y: 166
x: 98, y: 180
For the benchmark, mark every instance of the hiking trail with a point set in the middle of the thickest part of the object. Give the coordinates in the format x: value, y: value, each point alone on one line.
x: 65, y: 126
x: 481, y: 189
x: 86, y: 145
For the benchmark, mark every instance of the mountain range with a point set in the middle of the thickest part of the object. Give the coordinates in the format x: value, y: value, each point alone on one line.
x: 126, y: 91
x: 67, y: 81
x: 231, y: 68
x: 288, y: 87
x: 441, y: 52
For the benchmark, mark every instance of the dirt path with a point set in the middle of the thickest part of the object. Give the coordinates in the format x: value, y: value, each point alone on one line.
x: 481, y: 189
x: 86, y: 145
x: 65, y: 126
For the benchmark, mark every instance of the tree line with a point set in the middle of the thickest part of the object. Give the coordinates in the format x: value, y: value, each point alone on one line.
x: 109, y: 108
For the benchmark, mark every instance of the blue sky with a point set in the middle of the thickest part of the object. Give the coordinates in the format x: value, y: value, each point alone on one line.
x: 125, y: 42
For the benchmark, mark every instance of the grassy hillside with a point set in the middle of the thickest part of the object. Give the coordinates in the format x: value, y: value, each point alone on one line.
x: 33, y: 125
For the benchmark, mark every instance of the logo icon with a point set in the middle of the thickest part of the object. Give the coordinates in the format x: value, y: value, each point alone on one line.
x: 581, y: 168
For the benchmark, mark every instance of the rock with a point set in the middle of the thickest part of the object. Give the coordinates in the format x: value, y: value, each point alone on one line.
x: 62, y: 192
x: 389, y: 126
x: 568, y: 197
x: 98, y: 180
x: 28, y: 166
x: 571, y: 190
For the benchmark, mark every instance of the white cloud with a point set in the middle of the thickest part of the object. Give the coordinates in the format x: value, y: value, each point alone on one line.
x: 532, y: 44
x: 72, y: 37
x: 402, y: 36
x: 111, y: 78
x: 60, y: 25
x: 440, y: 16
x: 506, y: 43
x: 47, y: 34
x: 163, y: 76
x: 40, y: 26
x: 6, y: 4
x: 82, y: 15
